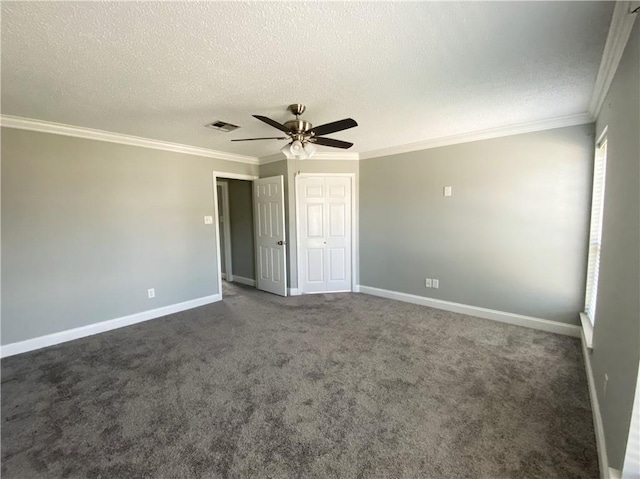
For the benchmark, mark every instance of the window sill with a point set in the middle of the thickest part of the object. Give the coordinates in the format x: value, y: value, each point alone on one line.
x: 587, y: 331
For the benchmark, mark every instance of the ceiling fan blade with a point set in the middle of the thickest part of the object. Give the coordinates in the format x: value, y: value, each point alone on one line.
x: 332, y: 127
x: 273, y: 123
x: 332, y: 142
x: 269, y: 138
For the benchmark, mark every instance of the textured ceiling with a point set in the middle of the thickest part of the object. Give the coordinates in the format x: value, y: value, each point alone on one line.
x: 407, y: 72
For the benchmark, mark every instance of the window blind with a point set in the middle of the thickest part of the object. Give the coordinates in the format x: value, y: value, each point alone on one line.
x: 595, y: 234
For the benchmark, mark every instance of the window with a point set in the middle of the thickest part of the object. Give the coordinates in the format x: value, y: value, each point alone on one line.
x: 595, y: 235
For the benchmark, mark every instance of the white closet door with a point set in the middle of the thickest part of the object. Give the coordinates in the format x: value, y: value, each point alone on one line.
x: 338, y: 229
x: 324, y: 210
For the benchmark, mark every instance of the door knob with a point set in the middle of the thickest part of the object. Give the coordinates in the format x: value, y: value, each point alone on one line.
x: 282, y: 242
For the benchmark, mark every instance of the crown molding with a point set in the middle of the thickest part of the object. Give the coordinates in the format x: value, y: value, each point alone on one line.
x: 265, y: 160
x: 100, y: 135
x: 529, y: 127
x: 319, y: 155
x: 327, y: 155
x: 619, y: 31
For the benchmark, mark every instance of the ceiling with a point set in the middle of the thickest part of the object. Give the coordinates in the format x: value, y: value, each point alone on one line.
x: 407, y: 72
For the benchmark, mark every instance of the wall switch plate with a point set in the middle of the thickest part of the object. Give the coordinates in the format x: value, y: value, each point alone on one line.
x: 151, y: 292
x: 208, y: 220
x: 427, y: 283
x: 447, y: 191
x: 435, y: 283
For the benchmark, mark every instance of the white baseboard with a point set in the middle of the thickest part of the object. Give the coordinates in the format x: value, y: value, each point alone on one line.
x: 502, y: 316
x: 298, y: 291
x: 91, y: 329
x: 603, y: 461
x: 243, y: 280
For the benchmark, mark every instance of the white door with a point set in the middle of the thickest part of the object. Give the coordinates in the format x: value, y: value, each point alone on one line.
x: 324, y: 209
x: 268, y: 205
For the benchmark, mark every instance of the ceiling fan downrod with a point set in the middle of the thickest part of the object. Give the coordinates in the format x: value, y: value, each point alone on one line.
x: 298, y: 127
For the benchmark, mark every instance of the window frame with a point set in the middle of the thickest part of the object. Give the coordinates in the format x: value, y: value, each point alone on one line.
x: 595, y: 226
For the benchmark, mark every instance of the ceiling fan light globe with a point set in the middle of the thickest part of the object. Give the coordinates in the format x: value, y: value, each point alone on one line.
x: 297, y: 148
x: 309, y: 149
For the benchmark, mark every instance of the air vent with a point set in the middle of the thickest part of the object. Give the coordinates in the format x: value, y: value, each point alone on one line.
x: 222, y: 126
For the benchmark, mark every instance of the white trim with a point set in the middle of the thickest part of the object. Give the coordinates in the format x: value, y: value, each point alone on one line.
x: 100, y: 135
x: 614, y: 473
x: 216, y: 218
x: 320, y: 155
x: 603, y: 460
x: 91, y: 329
x: 354, y: 222
x: 223, y: 175
x: 243, y: 280
x: 329, y: 292
x: 603, y: 136
x: 631, y: 463
x: 329, y: 155
x: 356, y: 288
x: 529, y: 127
x: 587, y: 330
x: 352, y: 175
x: 293, y: 292
x: 502, y: 316
x: 619, y: 31
x: 226, y: 228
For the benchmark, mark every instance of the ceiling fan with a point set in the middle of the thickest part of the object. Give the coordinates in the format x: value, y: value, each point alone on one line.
x: 303, y: 136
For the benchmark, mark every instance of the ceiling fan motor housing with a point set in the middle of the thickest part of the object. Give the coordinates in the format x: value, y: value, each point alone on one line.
x: 297, y: 126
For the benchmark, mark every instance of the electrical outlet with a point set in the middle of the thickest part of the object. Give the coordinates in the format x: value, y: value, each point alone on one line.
x: 151, y: 292
x: 604, y: 386
x: 427, y: 283
x: 435, y: 283
x: 446, y: 191
x: 208, y: 220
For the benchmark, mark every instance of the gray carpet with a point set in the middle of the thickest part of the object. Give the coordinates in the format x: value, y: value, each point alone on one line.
x: 320, y: 386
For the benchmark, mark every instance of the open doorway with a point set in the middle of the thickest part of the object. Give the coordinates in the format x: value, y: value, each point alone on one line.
x: 233, y: 199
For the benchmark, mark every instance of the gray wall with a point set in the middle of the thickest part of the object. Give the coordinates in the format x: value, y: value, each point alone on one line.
x: 89, y: 226
x: 289, y: 168
x: 512, y: 236
x: 616, y: 340
x: 241, y: 213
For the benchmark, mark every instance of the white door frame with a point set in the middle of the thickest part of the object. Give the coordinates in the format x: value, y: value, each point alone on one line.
x: 354, y: 221
x: 226, y: 227
x: 216, y: 219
